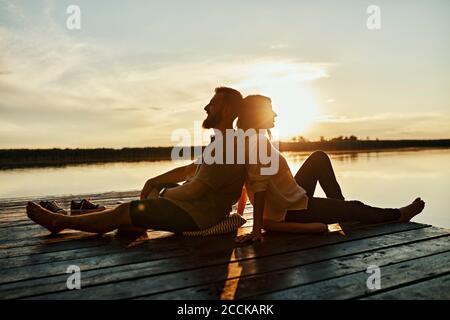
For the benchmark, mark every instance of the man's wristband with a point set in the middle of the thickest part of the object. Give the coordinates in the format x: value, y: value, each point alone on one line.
x: 161, y: 192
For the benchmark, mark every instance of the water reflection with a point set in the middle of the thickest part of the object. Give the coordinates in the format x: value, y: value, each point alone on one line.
x: 388, y: 179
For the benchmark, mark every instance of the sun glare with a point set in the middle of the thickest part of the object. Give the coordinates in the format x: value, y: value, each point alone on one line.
x: 286, y: 84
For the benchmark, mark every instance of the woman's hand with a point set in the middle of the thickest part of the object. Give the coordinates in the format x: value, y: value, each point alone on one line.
x: 253, y: 236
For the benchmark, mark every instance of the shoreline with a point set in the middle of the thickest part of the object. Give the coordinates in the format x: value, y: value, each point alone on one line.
x: 55, y: 164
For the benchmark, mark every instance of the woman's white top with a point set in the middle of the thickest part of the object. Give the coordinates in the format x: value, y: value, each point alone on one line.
x: 282, y: 191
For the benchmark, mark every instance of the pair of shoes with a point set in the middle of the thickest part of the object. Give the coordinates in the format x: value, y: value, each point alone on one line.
x: 84, y: 206
x: 53, y: 206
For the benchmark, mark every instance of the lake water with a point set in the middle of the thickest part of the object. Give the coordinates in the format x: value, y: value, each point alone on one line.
x: 389, y: 179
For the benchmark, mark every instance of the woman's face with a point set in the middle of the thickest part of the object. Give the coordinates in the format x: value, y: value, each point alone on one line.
x: 267, y: 118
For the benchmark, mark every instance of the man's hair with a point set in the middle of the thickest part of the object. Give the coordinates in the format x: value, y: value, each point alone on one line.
x: 232, y: 98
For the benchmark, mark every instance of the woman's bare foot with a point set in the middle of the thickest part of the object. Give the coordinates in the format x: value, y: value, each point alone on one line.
x: 411, y: 210
x: 43, y: 217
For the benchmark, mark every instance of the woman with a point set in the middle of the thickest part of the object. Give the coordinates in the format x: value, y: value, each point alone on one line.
x: 282, y: 202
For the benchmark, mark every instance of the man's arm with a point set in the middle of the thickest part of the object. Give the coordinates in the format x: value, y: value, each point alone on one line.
x: 173, y: 176
x: 191, y: 190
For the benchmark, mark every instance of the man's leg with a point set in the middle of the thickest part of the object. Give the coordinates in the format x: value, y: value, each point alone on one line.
x: 154, y: 194
x: 318, y: 168
x: 157, y: 214
x: 98, y: 222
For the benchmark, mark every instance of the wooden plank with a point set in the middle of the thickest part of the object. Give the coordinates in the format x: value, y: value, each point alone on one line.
x: 30, y: 229
x: 86, y: 241
x: 19, y: 218
x: 142, y: 250
x: 22, y: 202
x: 433, y: 289
x: 88, y: 263
x: 355, y: 285
x: 49, y: 241
x: 113, y: 245
x: 278, y: 243
x: 33, y: 267
x: 38, y: 234
x: 256, y: 285
x: 67, y: 255
x: 69, y: 241
x: 245, y: 262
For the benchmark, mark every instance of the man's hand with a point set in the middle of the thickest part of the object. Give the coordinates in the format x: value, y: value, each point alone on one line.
x: 148, y: 189
x: 253, y: 236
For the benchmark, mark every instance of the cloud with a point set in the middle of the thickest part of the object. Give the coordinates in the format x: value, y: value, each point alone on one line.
x: 12, y: 9
x: 388, y: 116
x: 414, y: 125
x: 64, y: 90
x: 278, y: 46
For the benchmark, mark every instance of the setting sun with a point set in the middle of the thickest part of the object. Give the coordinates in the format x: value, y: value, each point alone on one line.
x: 286, y: 84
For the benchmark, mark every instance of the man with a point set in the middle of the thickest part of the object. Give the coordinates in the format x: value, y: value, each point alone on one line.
x: 205, y: 199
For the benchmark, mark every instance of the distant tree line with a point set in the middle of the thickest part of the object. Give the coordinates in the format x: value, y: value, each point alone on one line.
x: 25, y: 157
x: 53, y: 157
x: 353, y: 143
x: 301, y: 139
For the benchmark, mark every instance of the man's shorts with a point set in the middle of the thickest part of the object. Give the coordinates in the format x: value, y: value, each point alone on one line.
x: 161, y: 214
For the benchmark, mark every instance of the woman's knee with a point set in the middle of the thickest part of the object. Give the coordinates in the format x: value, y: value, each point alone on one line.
x: 320, y: 155
x: 318, y: 159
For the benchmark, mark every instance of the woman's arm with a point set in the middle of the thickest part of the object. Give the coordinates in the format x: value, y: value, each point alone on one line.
x: 295, y: 227
x: 258, y: 210
x: 242, y: 201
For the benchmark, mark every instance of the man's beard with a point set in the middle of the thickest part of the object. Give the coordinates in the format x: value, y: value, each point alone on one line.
x: 212, y: 120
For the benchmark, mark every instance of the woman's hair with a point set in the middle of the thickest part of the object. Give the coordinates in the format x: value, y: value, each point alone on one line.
x: 253, y: 111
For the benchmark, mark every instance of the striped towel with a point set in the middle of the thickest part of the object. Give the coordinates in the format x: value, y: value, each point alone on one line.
x: 227, y: 225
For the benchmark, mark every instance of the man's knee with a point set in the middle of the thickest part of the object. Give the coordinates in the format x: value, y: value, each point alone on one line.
x: 123, y: 211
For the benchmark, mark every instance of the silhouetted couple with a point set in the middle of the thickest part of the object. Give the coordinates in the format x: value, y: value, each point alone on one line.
x: 281, y: 201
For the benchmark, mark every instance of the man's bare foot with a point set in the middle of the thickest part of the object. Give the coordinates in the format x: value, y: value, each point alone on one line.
x: 408, y: 212
x: 43, y: 217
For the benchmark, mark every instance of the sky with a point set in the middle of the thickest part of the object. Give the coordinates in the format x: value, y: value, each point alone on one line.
x: 136, y: 71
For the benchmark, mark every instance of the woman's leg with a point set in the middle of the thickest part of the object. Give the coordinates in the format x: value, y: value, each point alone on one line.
x: 98, y: 222
x: 318, y: 168
x: 334, y: 211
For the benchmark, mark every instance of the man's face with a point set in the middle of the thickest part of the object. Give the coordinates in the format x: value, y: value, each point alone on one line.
x: 214, y: 110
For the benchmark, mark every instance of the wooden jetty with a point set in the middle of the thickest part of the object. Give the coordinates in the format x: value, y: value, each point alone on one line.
x: 413, y: 260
